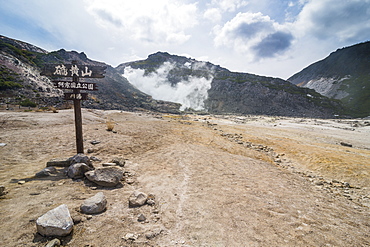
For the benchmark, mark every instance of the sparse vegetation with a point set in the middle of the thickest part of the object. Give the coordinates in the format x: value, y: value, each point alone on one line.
x: 28, y: 103
x: 110, y: 124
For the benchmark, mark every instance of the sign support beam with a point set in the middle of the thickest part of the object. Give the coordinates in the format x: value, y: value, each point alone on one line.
x: 78, y: 120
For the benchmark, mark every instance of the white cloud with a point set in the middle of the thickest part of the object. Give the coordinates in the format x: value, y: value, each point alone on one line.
x: 213, y: 14
x: 162, y: 21
x: 229, y: 5
x: 253, y: 34
x: 341, y: 20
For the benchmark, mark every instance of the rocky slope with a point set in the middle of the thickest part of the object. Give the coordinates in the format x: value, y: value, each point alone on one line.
x: 20, y: 78
x: 343, y: 75
x: 240, y: 93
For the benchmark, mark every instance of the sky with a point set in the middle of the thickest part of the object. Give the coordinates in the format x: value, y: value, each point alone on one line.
x: 275, y: 38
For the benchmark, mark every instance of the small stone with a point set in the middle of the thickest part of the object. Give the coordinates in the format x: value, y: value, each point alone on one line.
x: 319, y: 183
x: 93, y: 158
x: 130, y: 180
x: 95, y: 142
x: 95, y: 204
x: 2, y: 144
x: 90, y: 150
x: 56, y: 222
x: 77, y: 219
x: 150, y: 201
x: 109, y: 164
x: 345, y: 144
x: 119, y: 161
x: 137, y: 199
x: 21, y: 182
x: 141, y: 218
x: 130, y: 236
x: 2, y: 190
x: 153, y: 234
x: 54, y: 243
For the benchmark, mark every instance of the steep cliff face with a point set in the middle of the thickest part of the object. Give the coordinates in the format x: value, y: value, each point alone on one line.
x: 231, y: 92
x: 343, y: 75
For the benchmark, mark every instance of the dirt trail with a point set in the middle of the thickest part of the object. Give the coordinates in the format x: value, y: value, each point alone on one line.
x: 217, y: 181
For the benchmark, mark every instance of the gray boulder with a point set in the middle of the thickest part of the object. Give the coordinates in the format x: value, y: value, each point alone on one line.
x: 95, y: 204
x: 56, y: 222
x: 137, y: 199
x: 80, y: 158
x: 78, y: 170
x: 105, y: 176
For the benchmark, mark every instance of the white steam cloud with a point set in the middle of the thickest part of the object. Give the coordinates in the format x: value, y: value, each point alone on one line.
x: 190, y: 93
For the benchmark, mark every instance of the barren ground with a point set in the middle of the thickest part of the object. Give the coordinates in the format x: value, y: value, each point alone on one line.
x: 217, y: 180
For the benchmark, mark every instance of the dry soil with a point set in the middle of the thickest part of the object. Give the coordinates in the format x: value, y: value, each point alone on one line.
x: 217, y: 180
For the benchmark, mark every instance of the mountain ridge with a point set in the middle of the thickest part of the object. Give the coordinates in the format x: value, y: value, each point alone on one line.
x: 343, y: 75
x: 228, y: 92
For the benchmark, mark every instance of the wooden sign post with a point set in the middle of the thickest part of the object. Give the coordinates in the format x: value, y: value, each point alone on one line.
x: 75, y: 71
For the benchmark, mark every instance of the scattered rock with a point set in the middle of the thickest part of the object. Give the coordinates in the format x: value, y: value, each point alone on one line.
x: 151, y: 200
x: 106, y: 176
x: 59, y: 162
x: 130, y: 236
x: 119, y: 161
x: 46, y: 172
x: 141, y: 218
x: 21, y: 182
x: 153, y: 234
x: 137, y: 199
x: 56, y: 222
x: 95, y: 204
x: 2, y: 190
x: 2, y: 144
x: 345, y: 144
x: 78, y: 170
x: 77, y: 219
x: 130, y: 180
x: 90, y: 150
x: 93, y: 158
x: 109, y: 164
x: 95, y: 142
x: 80, y: 158
x: 54, y: 243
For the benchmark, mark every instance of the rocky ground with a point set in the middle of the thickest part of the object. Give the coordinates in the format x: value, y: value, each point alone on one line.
x: 215, y: 180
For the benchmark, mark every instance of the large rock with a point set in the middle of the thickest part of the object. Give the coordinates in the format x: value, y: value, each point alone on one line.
x: 78, y: 170
x: 137, y: 199
x: 80, y: 158
x: 95, y: 204
x: 56, y: 222
x: 106, y: 176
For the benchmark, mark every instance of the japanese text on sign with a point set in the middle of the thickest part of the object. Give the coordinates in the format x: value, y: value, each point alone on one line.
x: 63, y: 71
x: 75, y: 85
x: 74, y: 70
